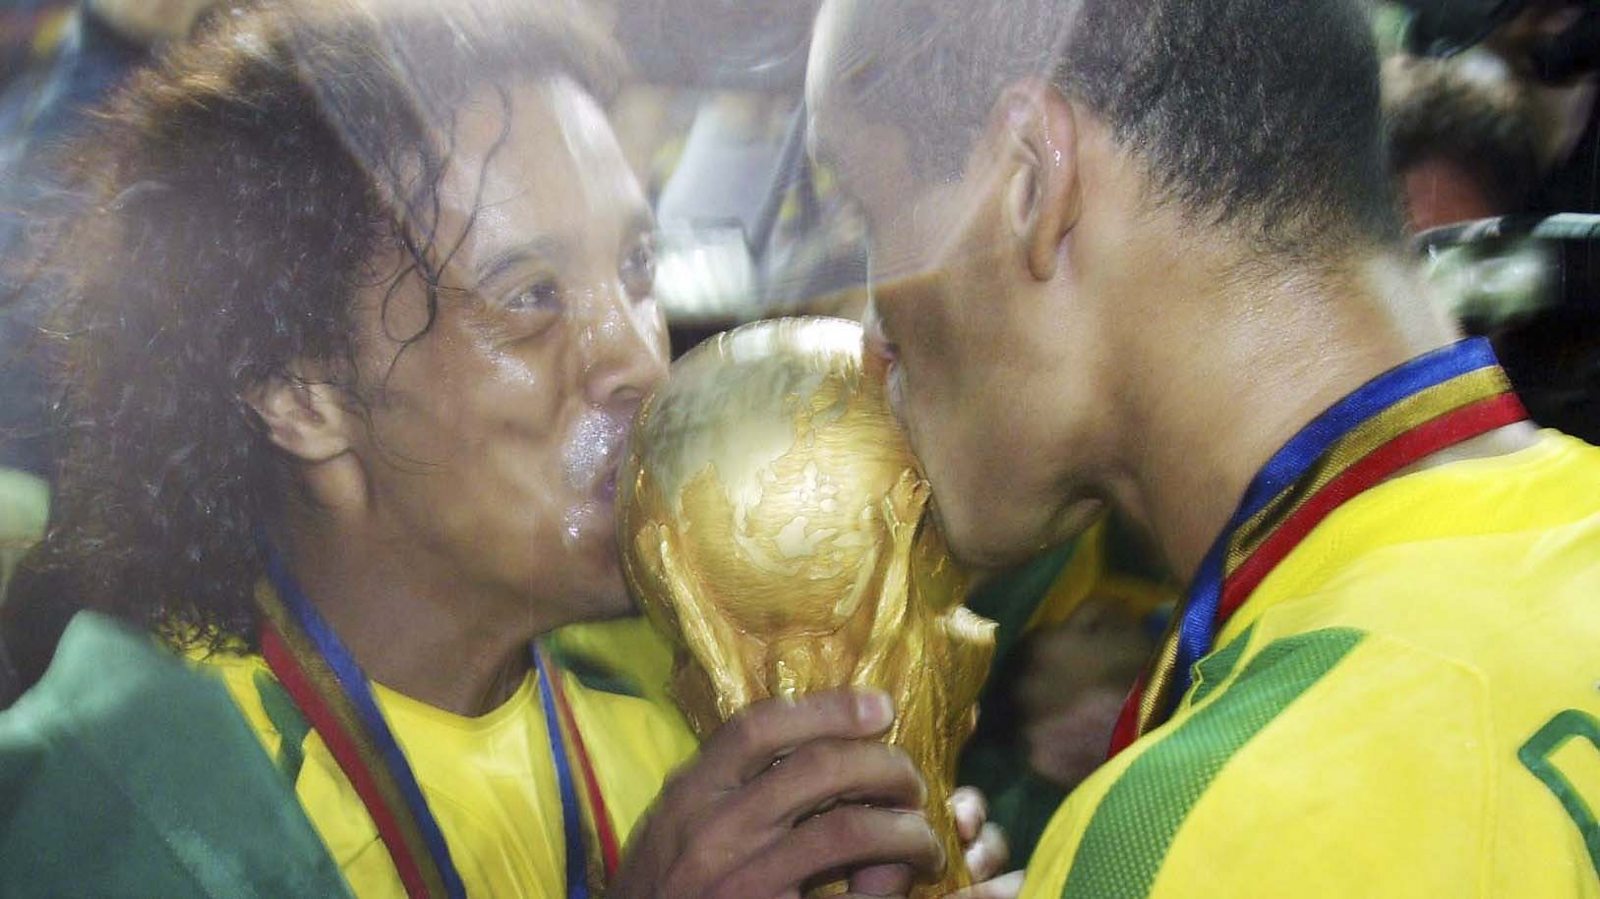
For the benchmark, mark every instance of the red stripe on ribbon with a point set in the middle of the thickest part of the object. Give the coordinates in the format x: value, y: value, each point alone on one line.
x: 1450, y: 429
x: 1439, y: 434
x: 1127, y: 727
x: 344, y: 751
x: 610, y: 854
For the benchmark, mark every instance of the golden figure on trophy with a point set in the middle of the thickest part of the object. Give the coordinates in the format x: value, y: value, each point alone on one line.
x: 773, y: 523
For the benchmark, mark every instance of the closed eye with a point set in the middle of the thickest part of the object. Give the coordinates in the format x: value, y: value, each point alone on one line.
x: 541, y: 295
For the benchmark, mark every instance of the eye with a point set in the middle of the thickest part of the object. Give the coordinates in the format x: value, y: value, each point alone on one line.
x: 541, y: 295
x: 639, y: 272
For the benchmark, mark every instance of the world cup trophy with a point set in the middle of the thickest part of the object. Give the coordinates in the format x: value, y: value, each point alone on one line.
x: 774, y: 525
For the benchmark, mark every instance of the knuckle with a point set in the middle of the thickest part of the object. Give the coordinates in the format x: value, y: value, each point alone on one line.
x: 833, y: 705
x: 818, y: 759
x: 693, y: 871
x: 853, y: 826
x: 740, y: 734
x: 994, y: 836
x: 904, y: 771
x: 672, y: 793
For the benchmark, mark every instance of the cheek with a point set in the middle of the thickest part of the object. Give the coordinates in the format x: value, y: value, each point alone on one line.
x: 482, y: 430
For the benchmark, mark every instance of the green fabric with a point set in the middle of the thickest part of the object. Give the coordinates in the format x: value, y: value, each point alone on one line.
x: 1211, y: 671
x: 125, y: 772
x: 593, y: 674
x: 1127, y: 839
x: 1131, y: 554
x: 995, y: 760
x: 286, y: 719
x: 1535, y: 756
x: 1010, y: 599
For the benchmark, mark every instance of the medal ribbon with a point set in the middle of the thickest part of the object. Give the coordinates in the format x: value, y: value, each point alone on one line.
x: 1422, y: 407
x: 330, y: 690
x: 563, y: 728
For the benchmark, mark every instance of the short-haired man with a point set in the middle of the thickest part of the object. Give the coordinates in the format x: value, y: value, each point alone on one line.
x: 1147, y: 252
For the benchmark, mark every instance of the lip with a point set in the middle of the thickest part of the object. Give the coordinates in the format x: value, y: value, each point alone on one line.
x: 594, y: 454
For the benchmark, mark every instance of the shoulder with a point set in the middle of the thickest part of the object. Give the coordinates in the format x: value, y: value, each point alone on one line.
x: 1301, y: 753
x: 123, y: 745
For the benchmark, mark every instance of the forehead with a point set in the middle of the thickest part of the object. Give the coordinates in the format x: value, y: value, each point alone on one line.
x: 540, y: 153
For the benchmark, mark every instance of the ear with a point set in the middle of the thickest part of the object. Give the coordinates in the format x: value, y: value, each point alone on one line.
x: 1042, y: 191
x: 305, y: 417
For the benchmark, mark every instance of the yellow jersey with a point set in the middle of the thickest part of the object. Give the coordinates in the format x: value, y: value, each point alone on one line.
x: 490, y: 781
x: 1408, y: 706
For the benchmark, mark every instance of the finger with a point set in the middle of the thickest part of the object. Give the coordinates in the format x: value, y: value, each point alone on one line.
x: 747, y: 822
x: 989, y: 853
x: 970, y: 810
x: 846, y: 838
x: 812, y: 780
x: 761, y: 734
x: 1007, y: 887
x: 824, y: 773
x: 882, y: 880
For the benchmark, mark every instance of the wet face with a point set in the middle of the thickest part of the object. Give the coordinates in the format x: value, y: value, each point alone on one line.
x: 495, y: 436
x: 969, y: 349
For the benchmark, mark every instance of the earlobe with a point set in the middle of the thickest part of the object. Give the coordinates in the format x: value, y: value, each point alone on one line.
x: 306, y: 419
x: 1043, y: 194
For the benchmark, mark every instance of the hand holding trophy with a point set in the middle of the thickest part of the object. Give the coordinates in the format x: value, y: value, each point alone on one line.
x: 774, y: 525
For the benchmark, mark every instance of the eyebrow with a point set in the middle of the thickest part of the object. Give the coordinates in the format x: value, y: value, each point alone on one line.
x: 542, y: 247
x: 547, y: 248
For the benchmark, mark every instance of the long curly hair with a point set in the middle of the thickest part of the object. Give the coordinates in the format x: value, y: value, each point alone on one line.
x: 235, y: 197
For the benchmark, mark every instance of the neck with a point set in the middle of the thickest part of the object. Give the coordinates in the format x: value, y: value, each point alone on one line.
x: 1277, y: 353
x: 415, y: 627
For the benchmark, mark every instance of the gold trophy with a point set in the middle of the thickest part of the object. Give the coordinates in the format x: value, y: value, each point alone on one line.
x: 774, y: 525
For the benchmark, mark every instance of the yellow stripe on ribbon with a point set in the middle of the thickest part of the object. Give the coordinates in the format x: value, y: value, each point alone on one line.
x: 1404, y: 416
x: 1162, y: 675
x: 326, y: 683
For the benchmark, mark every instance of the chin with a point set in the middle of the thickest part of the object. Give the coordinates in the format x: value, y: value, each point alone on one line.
x: 981, y: 537
x: 965, y: 536
x: 608, y: 607
x: 605, y: 596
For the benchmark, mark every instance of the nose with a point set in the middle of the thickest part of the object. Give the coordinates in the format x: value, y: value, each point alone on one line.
x: 624, y: 351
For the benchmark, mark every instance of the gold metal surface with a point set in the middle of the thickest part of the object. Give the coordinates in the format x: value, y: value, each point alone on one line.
x: 774, y: 525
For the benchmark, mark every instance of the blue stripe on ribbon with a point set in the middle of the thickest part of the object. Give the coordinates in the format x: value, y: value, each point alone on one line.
x: 1290, y: 463
x: 356, y: 689
x: 572, y: 821
x: 1198, y: 631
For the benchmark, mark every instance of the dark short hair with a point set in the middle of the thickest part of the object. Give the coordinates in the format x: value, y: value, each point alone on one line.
x: 1263, y: 115
x: 237, y: 196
